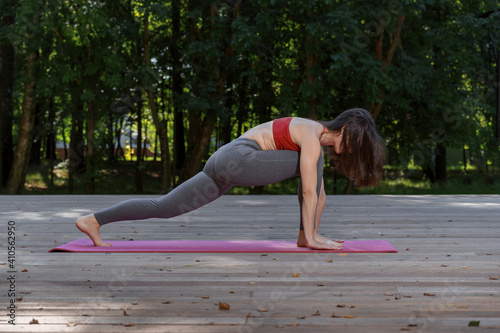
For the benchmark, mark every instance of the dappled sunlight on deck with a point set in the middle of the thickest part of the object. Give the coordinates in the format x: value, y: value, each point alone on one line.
x: 444, y: 276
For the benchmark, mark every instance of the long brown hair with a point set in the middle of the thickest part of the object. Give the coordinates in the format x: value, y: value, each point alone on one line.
x: 363, y: 150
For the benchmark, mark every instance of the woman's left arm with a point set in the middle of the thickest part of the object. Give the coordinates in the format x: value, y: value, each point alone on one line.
x: 310, y: 153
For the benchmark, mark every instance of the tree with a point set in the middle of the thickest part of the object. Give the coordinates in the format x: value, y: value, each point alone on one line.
x: 17, y: 176
x: 6, y: 85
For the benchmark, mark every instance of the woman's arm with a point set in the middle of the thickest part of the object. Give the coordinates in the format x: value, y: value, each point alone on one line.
x: 311, y: 211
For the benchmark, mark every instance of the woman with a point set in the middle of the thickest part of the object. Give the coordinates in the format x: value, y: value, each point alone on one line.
x: 268, y: 153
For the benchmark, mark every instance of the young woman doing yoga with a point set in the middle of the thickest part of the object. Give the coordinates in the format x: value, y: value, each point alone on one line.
x: 268, y: 153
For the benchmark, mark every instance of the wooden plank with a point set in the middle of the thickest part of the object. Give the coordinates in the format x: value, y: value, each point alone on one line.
x: 444, y: 276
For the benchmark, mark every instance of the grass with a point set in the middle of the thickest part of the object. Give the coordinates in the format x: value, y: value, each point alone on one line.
x: 120, y: 179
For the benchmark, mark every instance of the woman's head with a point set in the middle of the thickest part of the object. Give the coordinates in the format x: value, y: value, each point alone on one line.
x: 362, y: 150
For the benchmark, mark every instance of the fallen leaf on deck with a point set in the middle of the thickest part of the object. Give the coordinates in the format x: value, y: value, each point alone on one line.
x: 197, y: 261
x: 330, y: 260
x: 19, y: 299
x: 334, y: 316
x: 34, y: 322
x: 167, y: 302
x: 125, y: 313
x: 342, y: 254
x: 224, y: 306
x: 474, y: 323
x: 301, y: 317
x: 128, y: 324
x: 352, y: 307
x: 462, y: 306
x: 443, y: 265
x: 341, y: 305
x: 205, y: 297
x: 24, y: 271
x: 262, y: 310
x: 465, y: 267
x: 316, y: 313
x: 429, y: 294
x: 349, y: 317
x: 494, y: 277
x: 295, y: 274
x: 71, y: 324
x: 294, y: 324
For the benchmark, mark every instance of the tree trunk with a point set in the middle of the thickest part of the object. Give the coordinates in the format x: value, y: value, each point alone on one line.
x: 50, y: 141
x: 395, y: 39
x: 310, y: 64
x: 161, y: 126
x: 109, y: 139
x: 89, y: 156
x: 138, y: 165
x: 17, y: 177
x: 6, y: 114
x: 36, y: 145
x: 179, y: 141
x: 50, y: 144
x: 200, y: 133
x: 440, y: 164
x: 76, y: 141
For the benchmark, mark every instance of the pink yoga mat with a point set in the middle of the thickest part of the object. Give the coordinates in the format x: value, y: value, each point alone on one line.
x: 221, y: 246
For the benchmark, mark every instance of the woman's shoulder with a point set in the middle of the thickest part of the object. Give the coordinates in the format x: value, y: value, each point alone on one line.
x: 305, y: 122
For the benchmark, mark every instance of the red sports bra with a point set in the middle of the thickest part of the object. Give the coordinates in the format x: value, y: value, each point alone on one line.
x: 281, y: 134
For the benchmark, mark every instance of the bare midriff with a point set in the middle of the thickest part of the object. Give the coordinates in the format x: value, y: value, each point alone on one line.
x: 263, y: 135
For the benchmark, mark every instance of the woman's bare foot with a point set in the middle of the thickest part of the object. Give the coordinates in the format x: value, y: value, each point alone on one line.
x: 89, y: 225
x: 301, y: 241
x: 327, y: 240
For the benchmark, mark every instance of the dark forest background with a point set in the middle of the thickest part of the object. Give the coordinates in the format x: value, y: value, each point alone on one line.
x: 147, y: 90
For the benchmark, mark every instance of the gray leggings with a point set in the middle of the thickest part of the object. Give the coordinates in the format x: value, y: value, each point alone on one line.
x: 238, y: 163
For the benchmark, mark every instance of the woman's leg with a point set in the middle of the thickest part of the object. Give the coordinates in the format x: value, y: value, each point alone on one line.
x: 190, y: 195
x: 242, y: 163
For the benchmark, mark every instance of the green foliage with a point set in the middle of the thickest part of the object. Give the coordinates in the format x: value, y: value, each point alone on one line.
x: 245, y: 62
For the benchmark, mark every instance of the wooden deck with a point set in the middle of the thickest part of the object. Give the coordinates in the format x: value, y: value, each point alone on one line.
x: 445, y: 276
